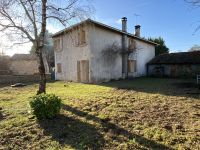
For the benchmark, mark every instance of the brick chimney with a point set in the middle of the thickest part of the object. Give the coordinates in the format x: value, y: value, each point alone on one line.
x: 137, y: 30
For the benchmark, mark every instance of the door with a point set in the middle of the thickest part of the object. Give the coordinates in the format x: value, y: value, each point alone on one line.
x: 83, y: 71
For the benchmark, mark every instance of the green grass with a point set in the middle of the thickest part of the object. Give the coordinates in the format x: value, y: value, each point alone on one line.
x: 144, y: 113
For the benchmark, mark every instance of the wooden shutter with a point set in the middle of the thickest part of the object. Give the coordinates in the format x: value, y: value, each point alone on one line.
x: 132, y: 66
x: 59, y: 68
x: 83, y: 40
x: 78, y: 72
x: 81, y: 37
x: 132, y: 44
x: 58, y: 44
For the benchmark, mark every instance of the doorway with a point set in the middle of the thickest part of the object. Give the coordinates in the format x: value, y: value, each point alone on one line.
x: 83, y: 71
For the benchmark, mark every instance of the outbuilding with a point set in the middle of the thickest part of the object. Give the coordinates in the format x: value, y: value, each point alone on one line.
x: 182, y: 64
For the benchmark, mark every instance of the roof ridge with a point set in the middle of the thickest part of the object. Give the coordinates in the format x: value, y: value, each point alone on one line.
x: 106, y: 26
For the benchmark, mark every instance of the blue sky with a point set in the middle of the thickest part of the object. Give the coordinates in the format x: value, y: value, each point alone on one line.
x: 174, y: 20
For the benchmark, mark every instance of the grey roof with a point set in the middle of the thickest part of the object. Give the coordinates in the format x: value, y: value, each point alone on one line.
x: 104, y: 26
x: 24, y: 57
x: 177, y: 58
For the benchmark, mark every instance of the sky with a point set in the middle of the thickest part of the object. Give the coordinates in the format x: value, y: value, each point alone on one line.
x: 174, y: 20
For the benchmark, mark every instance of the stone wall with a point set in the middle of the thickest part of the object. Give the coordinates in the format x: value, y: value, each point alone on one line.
x: 11, y: 79
x: 24, y: 67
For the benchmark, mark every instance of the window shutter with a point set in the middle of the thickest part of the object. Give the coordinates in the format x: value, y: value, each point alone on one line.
x: 132, y: 66
x: 83, y: 39
x: 61, y: 44
x: 59, y: 68
x: 132, y: 44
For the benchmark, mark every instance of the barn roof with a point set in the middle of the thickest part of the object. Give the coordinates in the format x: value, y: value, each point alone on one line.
x: 103, y: 26
x: 177, y: 58
x: 24, y: 57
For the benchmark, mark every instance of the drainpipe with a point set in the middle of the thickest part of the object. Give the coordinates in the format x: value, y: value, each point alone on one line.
x: 124, y: 49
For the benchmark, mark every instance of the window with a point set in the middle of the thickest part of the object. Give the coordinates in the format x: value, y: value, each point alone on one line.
x: 81, y: 37
x: 132, y: 66
x: 58, y: 44
x: 59, y: 68
x: 132, y: 44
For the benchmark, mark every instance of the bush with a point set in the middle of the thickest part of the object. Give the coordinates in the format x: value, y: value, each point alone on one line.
x: 45, y: 105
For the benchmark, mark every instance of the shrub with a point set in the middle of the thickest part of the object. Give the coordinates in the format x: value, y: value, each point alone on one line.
x: 45, y: 105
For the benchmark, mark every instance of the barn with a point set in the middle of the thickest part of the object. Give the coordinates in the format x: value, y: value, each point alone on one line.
x: 182, y: 64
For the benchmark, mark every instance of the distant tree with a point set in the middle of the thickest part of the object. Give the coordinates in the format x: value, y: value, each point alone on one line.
x: 47, y: 49
x: 161, y: 48
x: 194, y: 48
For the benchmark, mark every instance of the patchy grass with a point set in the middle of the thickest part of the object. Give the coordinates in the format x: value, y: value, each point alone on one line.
x: 144, y: 113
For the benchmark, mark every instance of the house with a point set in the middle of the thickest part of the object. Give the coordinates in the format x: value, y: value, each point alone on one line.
x: 25, y: 64
x: 183, y: 64
x: 92, y: 52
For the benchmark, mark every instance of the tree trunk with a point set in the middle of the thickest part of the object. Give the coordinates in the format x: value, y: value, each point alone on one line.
x: 41, y: 68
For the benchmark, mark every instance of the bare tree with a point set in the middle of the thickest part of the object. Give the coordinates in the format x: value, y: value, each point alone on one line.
x: 196, y: 4
x: 27, y: 21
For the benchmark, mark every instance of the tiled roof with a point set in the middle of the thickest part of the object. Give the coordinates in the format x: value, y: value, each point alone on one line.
x: 177, y: 58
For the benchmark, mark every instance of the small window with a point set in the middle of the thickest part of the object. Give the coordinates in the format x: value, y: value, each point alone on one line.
x: 58, y: 44
x: 59, y: 68
x: 81, y: 37
x: 132, y: 66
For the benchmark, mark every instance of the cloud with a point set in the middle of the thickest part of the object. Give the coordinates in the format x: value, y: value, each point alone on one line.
x: 53, y: 28
x: 119, y: 21
x: 8, y: 46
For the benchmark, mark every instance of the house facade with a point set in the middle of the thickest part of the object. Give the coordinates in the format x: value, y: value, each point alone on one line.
x: 92, y: 52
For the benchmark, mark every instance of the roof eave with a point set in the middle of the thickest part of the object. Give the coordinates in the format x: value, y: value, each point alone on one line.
x: 68, y: 28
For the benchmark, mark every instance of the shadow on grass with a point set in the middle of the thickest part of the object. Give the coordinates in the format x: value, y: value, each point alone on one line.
x: 73, y: 132
x: 1, y: 115
x: 7, y: 85
x: 89, y: 132
x: 166, y: 86
x: 27, y: 83
x: 82, y: 135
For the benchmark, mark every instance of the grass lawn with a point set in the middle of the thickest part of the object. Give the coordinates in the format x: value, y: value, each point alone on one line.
x: 144, y: 113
